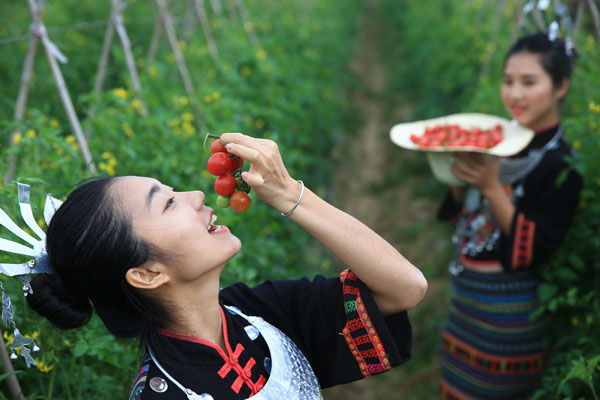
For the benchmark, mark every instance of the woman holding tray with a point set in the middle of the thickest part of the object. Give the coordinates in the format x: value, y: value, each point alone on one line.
x: 510, y: 216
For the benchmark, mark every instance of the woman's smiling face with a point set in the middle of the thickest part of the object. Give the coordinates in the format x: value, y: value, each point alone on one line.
x: 177, y: 223
x: 528, y: 93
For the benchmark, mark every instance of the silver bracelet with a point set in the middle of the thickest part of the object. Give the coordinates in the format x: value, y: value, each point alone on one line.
x: 298, y: 202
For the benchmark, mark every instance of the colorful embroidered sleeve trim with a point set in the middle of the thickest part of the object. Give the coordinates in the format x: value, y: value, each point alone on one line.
x: 523, y: 242
x: 359, y: 332
x: 139, y: 383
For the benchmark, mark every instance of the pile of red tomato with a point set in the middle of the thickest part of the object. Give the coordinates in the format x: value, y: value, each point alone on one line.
x: 230, y: 187
x: 453, y: 135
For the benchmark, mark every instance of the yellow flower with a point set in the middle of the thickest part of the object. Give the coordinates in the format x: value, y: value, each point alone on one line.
x: 594, y: 107
x: 172, y: 123
x: 152, y: 70
x: 109, y: 169
x: 120, y: 93
x: 261, y: 54
x: 188, y: 128
x: 17, y: 138
x: 245, y: 71
x: 216, y: 23
x: 105, y: 155
x: 70, y: 139
x: 53, y: 123
x: 182, y: 44
x: 42, y: 366
x: 31, y: 133
x: 589, y: 42
x: 137, y: 104
x: 248, y: 26
x: 216, y: 95
x: 127, y: 129
x: 576, y: 144
x: 187, y: 117
x: 8, y: 338
x: 207, y: 98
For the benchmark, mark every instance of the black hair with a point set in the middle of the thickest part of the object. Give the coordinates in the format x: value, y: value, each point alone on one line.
x: 91, y: 244
x: 554, y: 57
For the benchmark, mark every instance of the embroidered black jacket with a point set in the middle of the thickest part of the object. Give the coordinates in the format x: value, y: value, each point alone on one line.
x: 335, y: 323
x: 545, y: 199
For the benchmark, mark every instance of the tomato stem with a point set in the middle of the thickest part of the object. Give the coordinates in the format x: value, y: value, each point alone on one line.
x: 208, y: 135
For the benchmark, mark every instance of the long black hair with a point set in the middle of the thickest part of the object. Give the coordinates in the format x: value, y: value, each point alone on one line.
x: 555, y: 59
x: 91, y: 244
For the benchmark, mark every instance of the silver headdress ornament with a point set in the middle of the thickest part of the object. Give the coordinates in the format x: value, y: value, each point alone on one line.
x: 38, y: 264
x: 536, y: 18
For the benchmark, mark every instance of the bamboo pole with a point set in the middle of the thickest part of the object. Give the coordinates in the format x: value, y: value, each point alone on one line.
x: 21, y: 101
x: 189, y: 22
x: 205, y: 24
x: 595, y: 15
x: 115, y: 23
x: 156, y: 33
x: 7, y: 367
x: 183, y: 70
x: 578, y: 16
x: 117, y: 18
x: 100, y: 73
x: 515, y: 31
x: 50, y: 51
x: 216, y: 7
x: 231, y: 11
x: 247, y: 23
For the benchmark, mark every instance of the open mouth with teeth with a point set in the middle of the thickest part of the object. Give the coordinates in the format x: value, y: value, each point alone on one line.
x: 212, y: 228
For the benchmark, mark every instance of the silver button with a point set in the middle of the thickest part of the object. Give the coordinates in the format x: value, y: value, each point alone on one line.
x: 158, y: 384
x: 267, y: 365
x: 252, y: 332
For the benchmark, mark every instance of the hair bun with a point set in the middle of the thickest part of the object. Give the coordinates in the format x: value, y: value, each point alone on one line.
x: 54, y: 301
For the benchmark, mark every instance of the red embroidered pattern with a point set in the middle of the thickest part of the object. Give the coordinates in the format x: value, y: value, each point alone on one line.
x: 359, y: 332
x: 494, y: 364
x: 449, y: 393
x: 523, y: 242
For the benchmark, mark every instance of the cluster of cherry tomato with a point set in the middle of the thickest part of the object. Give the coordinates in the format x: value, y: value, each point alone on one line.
x: 455, y: 136
x: 231, y: 189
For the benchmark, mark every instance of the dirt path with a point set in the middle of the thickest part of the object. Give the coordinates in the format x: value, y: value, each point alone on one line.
x: 392, y: 211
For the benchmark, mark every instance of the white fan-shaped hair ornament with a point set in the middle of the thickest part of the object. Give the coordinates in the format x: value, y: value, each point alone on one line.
x: 39, y: 263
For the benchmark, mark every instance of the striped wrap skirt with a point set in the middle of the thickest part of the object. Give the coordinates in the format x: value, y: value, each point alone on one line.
x: 492, y: 347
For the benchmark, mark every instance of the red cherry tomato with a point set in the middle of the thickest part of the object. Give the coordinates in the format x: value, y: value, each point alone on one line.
x: 218, y: 164
x: 222, y: 201
x: 239, y: 201
x: 225, y: 185
x: 236, y: 163
x: 217, y: 147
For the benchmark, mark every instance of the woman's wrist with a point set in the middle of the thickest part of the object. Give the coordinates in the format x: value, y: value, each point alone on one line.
x: 491, y: 189
x: 289, y: 197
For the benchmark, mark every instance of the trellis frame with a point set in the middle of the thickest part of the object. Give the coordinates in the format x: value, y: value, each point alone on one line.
x: 39, y: 33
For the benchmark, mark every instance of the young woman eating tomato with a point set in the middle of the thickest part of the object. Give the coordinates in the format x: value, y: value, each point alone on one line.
x: 148, y: 259
x: 511, y: 215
